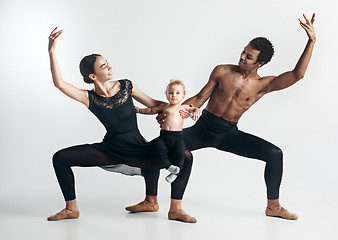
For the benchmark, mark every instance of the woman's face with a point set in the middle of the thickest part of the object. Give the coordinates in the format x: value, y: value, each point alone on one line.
x: 102, y: 69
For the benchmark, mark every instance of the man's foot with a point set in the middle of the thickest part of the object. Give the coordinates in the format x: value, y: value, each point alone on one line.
x: 280, y: 212
x: 64, y: 214
x: 180, y: 215
x: 144, y: 206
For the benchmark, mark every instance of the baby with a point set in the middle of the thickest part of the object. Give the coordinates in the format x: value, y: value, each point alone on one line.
x: 170, y: 145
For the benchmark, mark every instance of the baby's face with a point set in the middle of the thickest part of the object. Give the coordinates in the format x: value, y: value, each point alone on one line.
x: 175, y: 94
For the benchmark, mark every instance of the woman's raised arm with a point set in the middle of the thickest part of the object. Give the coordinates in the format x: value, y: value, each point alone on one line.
x: 67, y: 88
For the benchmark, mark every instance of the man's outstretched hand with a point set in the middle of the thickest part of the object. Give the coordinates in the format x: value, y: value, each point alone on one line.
x: 308, y: 27
x: 161, y: 118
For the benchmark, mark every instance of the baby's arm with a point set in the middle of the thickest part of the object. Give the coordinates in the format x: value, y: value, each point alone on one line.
x: 150, y: 111
x: 195, y: 112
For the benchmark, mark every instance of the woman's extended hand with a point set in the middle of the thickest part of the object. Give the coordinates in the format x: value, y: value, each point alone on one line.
x: 54, y: 35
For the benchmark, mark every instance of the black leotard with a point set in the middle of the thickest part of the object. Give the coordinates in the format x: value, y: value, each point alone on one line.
x: 123, y: 140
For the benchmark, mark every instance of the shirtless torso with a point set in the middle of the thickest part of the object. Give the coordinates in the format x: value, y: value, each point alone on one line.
x: 234, y: 94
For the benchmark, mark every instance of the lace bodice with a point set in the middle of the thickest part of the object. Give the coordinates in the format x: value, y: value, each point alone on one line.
x: 118, y: 99
x: 116, y: 113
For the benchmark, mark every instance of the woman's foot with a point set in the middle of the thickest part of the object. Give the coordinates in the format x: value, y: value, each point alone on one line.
x: 144, y: 206
x: 64, y: 214
x: 181, y: 215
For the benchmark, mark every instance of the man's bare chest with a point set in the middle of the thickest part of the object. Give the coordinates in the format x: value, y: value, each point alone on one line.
x: 240, y: 89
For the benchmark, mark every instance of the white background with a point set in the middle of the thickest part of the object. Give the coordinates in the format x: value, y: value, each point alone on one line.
x: 151, y: 42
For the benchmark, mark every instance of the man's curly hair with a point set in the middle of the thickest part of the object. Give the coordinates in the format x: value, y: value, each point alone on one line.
x: 265, y: 47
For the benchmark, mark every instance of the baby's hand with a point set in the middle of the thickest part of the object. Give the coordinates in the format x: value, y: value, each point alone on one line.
x: 195, y: 114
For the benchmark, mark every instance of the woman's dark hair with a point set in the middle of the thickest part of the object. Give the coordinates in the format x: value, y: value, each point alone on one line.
x: 265, y: 47
x: 87, y: 67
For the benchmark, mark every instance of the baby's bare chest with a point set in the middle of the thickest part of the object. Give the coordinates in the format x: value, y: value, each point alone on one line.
x: 173, y: 111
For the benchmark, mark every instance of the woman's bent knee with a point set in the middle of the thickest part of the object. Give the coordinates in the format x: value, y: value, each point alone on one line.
x: 188, y: 157
x: 57, y: 158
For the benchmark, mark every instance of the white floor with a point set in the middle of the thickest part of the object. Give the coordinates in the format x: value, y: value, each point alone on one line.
x: 228, y: 202
x: 105, y: 218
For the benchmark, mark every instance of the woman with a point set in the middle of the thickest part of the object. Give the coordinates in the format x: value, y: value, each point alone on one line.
x: 111, y: 102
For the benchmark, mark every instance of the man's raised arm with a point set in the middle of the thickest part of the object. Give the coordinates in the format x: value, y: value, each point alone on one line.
x: 289, y: 78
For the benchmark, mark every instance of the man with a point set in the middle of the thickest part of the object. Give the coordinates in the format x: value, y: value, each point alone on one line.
x: 232, y: 90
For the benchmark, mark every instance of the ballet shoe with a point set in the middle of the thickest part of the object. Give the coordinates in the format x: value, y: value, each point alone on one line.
x: 143, y: 206
x: 180, y: 215
x: 64, y: 214
x: 280, y: 212
x: 170, y: 178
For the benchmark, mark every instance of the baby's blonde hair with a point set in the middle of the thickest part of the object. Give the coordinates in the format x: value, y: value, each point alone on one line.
x: 175, y: 82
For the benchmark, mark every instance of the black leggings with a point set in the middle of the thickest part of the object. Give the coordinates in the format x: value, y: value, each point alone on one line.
x: 213, y: 131
x: 178, y: 186
x: 88, y: 156
x: 169, y: 148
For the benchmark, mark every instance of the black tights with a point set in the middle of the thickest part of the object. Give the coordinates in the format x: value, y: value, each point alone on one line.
x: 212, y: 131
x: 88, y: 156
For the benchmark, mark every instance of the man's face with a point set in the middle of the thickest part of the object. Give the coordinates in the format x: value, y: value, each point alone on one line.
x: 248, y: 59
